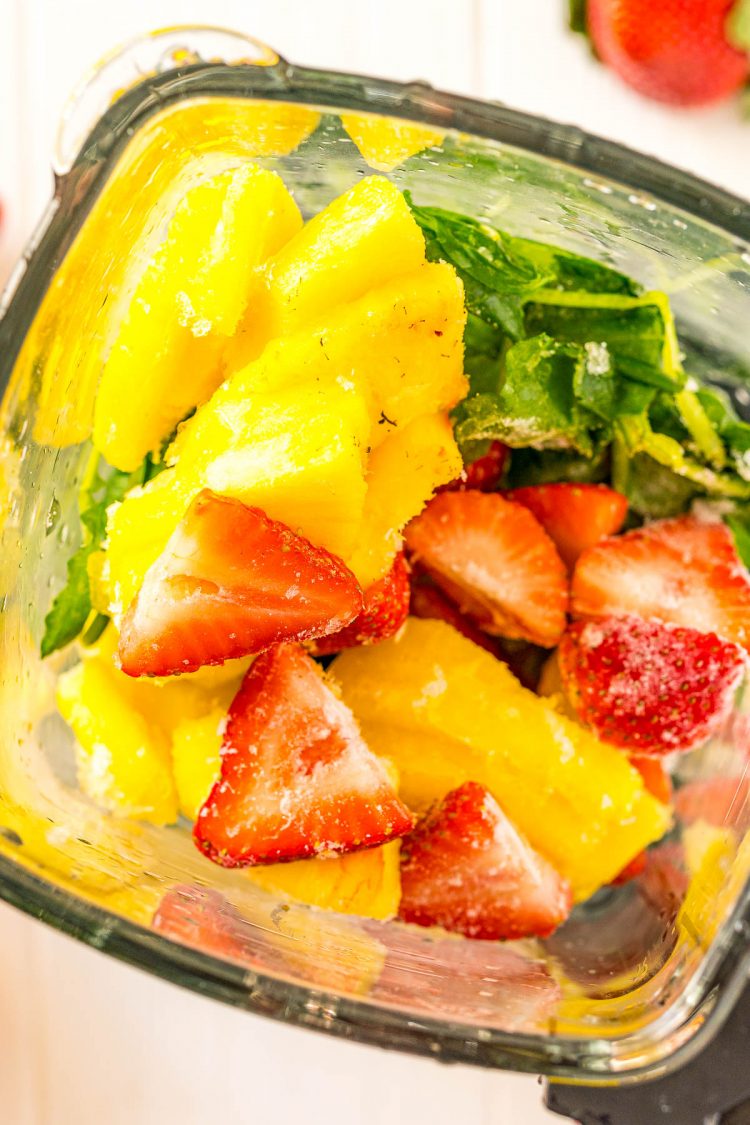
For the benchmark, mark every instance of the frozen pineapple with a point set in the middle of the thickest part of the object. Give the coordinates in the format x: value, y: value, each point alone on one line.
x: 123, y: 761
x: 367, y: 883
x: 577, y: 800
x: 167, y: 356
x: 403, y: 473
x: 363, y: 239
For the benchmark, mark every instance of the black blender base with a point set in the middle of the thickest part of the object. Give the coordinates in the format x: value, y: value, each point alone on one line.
x: 712, y: 1089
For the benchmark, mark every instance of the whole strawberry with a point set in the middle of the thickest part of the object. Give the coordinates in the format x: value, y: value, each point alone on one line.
x: 676, y: 51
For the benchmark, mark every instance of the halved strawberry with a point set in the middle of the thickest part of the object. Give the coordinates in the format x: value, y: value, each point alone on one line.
x: 483, y: 474
x: 467, y: 869
x: 655, y: 778
x: 497, y: 563
x: 430, y: 602
x: 683, y: 570
x: 631, y: 870
x: 297, y: 780
x: 720, y: 801
x: 647, y: 686
x: 385, y: 609
x: 230, y: 582
x: 575, y: 516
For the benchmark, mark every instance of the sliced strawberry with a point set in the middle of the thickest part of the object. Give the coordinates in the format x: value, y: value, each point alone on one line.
x: 655, y: 778
x: 575, y: 516
x: 484, y: 474
x: 682, y: 570
x: 205, y: 920
x: 428, y: 601
x: 631, y: 870
x: 297, y: 780
x: 646, y: 686
x: 720, y: 801
x: 467, y: 869
x: 497, y: 563
x: 385, y: 610
x: 231, y: 582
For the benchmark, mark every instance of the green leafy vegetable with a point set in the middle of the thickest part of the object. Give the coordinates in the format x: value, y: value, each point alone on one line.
x: 72, y: 609
x: 536, y: 404
x: 739, y: 524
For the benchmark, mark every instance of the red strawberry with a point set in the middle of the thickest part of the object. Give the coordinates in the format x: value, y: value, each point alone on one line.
x: 467, y: 869
x: 484, y: 474
x: 683, y: 570
x: 655, y: 778
x: 205, y: 920
x: 495, y: 561
x: 296, y: 777
x: 230, y: 582
x: 428, y: 601
x: 649, y: 687
x: 717, y: 800
x: 575, y: 516
x: 673, y: 50
x: 631, y: 870
x: 385, y: 610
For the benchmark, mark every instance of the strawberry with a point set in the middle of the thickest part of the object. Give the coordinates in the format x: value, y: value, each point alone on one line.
x: 682, y: 570
x: 296, y: 777
x: 204, y: 919
x: 497, y: 563
x: 231, y: 582
x: 575, y: 516
x: 649, y: 687
x: 720, y: 801
x: 675, y: 51
x: 655, y: 778
x: 428, y: 601
x: 484, y: 474
x: 467, y: 869
x: 659, y: 784
x: 386, y: 607
x: 631, y: 870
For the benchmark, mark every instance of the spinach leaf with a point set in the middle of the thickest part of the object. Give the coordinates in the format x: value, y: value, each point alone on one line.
x: 633, y: 329
x: 739, y: 524
x: 536, y: 403
x: 497, y: 276
x: 536, y: 466
x: 71, y: 609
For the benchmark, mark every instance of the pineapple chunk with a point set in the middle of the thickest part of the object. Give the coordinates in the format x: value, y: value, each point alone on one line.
x: 123, y: 761
x: 403, y: 473
x: 402, y: 344
x: 367, y: 883
x: 362, y: 239
x: 578, y: 801
x: 166, y: 358
x: 297, y: 454
x: 62, y: 353
x: 196, y: 759
x: 385, y: 142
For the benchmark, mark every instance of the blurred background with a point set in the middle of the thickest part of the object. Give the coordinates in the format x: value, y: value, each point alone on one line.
x: 84, y: 1041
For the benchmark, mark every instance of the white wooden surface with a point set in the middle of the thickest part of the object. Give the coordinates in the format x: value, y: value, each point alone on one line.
x: 85, y: 1041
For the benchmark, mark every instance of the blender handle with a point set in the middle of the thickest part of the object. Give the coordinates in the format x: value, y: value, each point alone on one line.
x: 712, y: 1089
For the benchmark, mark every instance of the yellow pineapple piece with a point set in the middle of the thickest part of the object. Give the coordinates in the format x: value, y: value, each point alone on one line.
x: 362, y: 239
x: 137, y: 532
x: 123, y: 761
x: 428, y: 766
x: 166, y: 357
x: 60, y: 361
x: 196, y: 758
x: 385, y: 142
x: 578, y: 801
x: 367, y: 883
x: 403, y: 473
